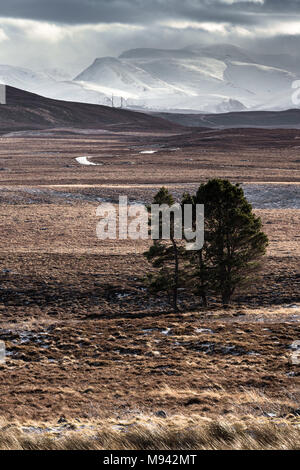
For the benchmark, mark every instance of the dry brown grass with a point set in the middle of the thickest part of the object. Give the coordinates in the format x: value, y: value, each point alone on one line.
x: 247, y: 157
x: 84, y: 368
x: 78, y: 347
x: 151, y: 433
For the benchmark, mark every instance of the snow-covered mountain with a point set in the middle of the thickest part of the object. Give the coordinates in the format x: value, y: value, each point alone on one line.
x: 45, y: 84
x: 209, y: 79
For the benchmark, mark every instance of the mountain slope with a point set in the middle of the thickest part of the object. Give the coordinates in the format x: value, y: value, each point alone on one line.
x: 48, y: 85
x: 256, y: 119
x: 26, y: 110
x: 207, y: 79
x: 111, y: 72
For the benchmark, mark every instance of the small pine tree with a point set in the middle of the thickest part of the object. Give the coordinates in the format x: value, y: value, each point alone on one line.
x: 234, y: 240
x: 165, y: 254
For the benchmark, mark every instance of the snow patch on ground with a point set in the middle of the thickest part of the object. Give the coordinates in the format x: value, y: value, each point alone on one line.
x: 85, y: 161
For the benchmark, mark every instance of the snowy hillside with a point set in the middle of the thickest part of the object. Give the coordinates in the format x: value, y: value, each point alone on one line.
x: 217, y: 78
x: 209, y: 79
x: 44, y: 84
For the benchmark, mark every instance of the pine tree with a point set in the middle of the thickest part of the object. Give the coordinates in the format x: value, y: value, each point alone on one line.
x: 234, y: 240
x: 165, y: 254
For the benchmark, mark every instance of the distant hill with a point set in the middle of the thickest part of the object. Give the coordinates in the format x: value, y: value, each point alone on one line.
x: 289, y: 119
x: 28, y: 111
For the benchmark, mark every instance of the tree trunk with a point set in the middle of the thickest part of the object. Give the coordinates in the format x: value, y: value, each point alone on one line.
x: 202, y: 280
x: 176, y: 276
x: 204, y: 300
x: 226, y: 297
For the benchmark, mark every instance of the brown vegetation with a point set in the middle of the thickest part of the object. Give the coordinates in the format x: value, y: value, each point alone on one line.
x: 152, y: 433
x: 87, y: 342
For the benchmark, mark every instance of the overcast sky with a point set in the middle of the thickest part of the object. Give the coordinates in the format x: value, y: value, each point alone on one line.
x: 70, y: 34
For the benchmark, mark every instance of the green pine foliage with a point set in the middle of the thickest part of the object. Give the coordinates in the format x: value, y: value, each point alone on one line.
x: 232, y: 253
x: 234, y: 241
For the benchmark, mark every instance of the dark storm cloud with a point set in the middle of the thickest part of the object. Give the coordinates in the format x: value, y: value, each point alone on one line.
x: 145, y: 11
x: 69, y: 34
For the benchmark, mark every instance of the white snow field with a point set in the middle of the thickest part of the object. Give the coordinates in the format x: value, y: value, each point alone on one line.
x: 212, y: 79
x: 45, y: 85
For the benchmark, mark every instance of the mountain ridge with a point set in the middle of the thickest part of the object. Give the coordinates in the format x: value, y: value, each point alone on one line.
x: 206, y: 79
x: 202, y: 78
x: 28, y: 111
